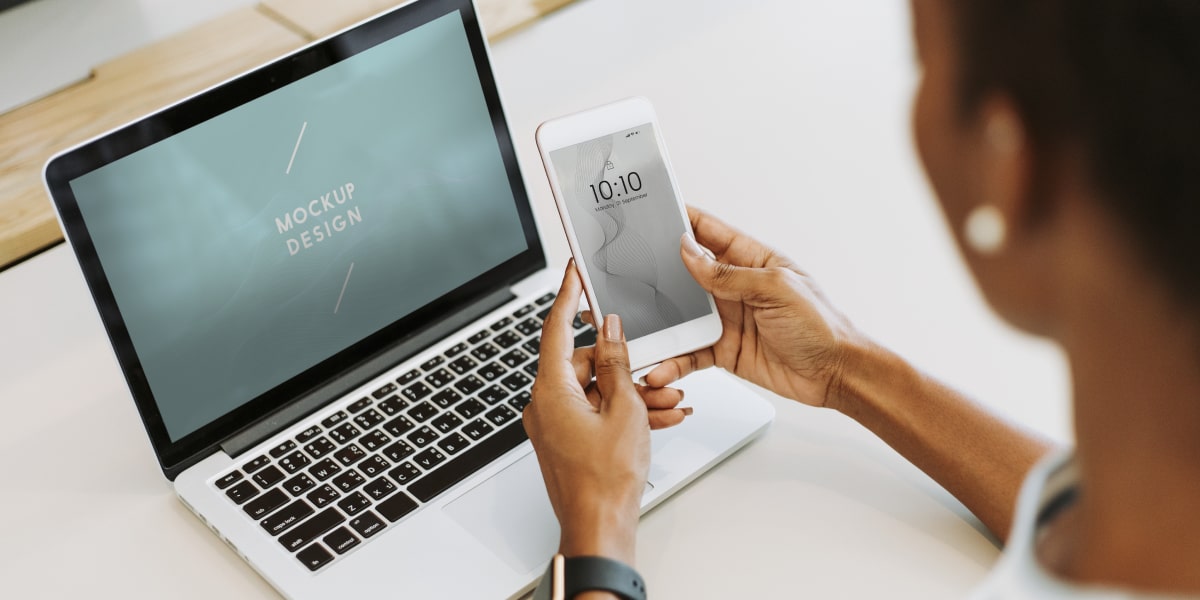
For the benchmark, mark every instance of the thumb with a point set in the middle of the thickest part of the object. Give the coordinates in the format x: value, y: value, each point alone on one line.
x: 613, y: 377
x: 722, y: 280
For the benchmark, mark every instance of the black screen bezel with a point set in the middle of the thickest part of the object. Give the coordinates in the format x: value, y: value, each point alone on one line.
x: 175, y: 456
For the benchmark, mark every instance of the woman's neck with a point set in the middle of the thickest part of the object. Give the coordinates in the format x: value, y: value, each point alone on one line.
x: 1135, y: 359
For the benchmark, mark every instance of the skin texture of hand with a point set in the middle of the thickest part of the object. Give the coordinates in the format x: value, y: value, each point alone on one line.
x: 592, y: 438
x: 779, y: 330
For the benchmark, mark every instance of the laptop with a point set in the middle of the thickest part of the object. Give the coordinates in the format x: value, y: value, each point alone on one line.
x: 324, y: 285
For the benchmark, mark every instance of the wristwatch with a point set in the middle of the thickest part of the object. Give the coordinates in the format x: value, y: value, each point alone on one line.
x: 567, y: 577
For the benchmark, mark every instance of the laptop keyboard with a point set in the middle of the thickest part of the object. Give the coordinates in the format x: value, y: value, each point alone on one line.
x: 350, y: 475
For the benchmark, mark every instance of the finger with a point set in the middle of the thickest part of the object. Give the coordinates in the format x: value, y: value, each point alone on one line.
x: 674, y: 369
x: 613, y: 376
x: 730, y: 245
x: 586, y: 317
x: 660, y: 398
x: 582, y: 361
x: 558, y: 337
x: 593, y: 396
x: 724, y: 280
x: 662, y: 419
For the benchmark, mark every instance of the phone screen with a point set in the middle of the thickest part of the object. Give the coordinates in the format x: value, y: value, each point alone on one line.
x: 628, y: 223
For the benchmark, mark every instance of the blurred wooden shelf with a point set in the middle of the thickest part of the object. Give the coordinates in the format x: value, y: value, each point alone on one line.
x: 162, y: 73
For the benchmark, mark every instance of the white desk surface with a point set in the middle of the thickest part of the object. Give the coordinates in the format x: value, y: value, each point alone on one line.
x: 788, y: 118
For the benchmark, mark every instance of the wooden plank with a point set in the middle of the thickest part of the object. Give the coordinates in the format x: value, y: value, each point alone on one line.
x: 319, y: 18
x: 118, y: 92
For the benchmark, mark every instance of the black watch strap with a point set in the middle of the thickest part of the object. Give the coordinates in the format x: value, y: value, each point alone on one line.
x: 596, y: 573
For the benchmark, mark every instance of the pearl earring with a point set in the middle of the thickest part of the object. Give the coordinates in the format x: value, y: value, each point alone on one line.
x: 986, y: 230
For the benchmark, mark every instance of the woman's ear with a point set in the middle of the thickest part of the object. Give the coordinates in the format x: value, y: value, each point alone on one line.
x: 1004, y: 190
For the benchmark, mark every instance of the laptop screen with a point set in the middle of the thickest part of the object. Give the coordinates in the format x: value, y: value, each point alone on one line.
x: 245, y: 250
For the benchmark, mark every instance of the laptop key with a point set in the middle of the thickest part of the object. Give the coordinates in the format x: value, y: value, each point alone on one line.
x: 469, y: 385
x: 463, y: 364
x: 585, y: 339
x: 294, y: 462
x: 374, y: 440
x: 531, y: 368
x: 524, y: 310
x: 367, y: 524
x: 311, y: 529
x: 547, y: 299
x: 344, y: 433
x: 405, y: 473
x: 440, y: 378
x: 545, y: 312
x: 380, y: 393
x: 508, y: 339
x: 307, y: 434
x: 528, y: 326
x: 409, y: 377
x: 369, y: 419
x: 394, y: 508
x: 453, y: 444
x: 429, y: 458
x: 319, y: 447
x: 325, y: 469
x: 323, y: 496
x: 282, y: 449
x: 393, y: 405
x: 417, y: 391
x: 354, y: 503
x: 423, y: 436
x: 380, y: 488
x: 349, y: 480
x: 514, y: 359
x: 432, y: 363
x: 478, y: 337
x: 455, y: 350
x: 340, y: 540
x: 264, y: 504
x: 256, y: 464
x: 229, y: 480
x: 242, y: 492
x: 373, y: 466
x: 314, y: 557
x: 485, y: 352
x: 477, y: 429
x: 467, y: 463
x: 268, y: 477
x: 398, y: 426
x: 350, y: 455
x: 501, y: 324
x: 298, y: 484
x: 398, y: 451
x: 533, y: 346
x: 287, y: 517
x: 334, y: 419
x: 520, y: 401
x: 423, y: 412
x: 447, y: 422
x: 491, y: 371
x: 470, y: 408
x: 446, y: 398
x: 493, y: 394
x: 516, y: 381
x: 364, y: 402
x: 501, y: 415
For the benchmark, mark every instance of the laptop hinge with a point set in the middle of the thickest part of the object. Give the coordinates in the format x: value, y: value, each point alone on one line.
x: 339, y: 386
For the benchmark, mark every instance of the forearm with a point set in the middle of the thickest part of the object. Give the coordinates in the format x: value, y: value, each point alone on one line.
x: 976, y: 456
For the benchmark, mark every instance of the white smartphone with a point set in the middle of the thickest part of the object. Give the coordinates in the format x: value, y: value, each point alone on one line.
x: 624, y: 217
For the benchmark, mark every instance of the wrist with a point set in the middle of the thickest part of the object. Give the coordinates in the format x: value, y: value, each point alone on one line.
x: 606, y: 530
x: 866, y: 373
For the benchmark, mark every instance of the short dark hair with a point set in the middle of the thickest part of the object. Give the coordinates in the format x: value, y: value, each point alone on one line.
x: 1116, y: 80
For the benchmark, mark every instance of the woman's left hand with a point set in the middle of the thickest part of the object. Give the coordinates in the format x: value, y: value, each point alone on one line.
x: 592, y: 438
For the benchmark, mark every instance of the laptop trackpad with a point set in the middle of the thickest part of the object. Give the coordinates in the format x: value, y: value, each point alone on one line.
x: 511, y: 514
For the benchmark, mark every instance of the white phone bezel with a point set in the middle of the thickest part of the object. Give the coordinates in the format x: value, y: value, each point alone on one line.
x: 588, y: 125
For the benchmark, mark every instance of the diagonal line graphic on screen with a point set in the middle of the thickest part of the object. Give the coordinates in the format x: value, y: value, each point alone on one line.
x: 344, y: 283
x: 297, y: 147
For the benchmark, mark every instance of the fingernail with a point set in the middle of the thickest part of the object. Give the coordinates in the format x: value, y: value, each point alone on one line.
x: 691, y: 247
x: 612, y: 328
x: 687, y: 411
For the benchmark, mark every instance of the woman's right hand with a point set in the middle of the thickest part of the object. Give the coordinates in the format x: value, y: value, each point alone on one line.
x: 779, y: 330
